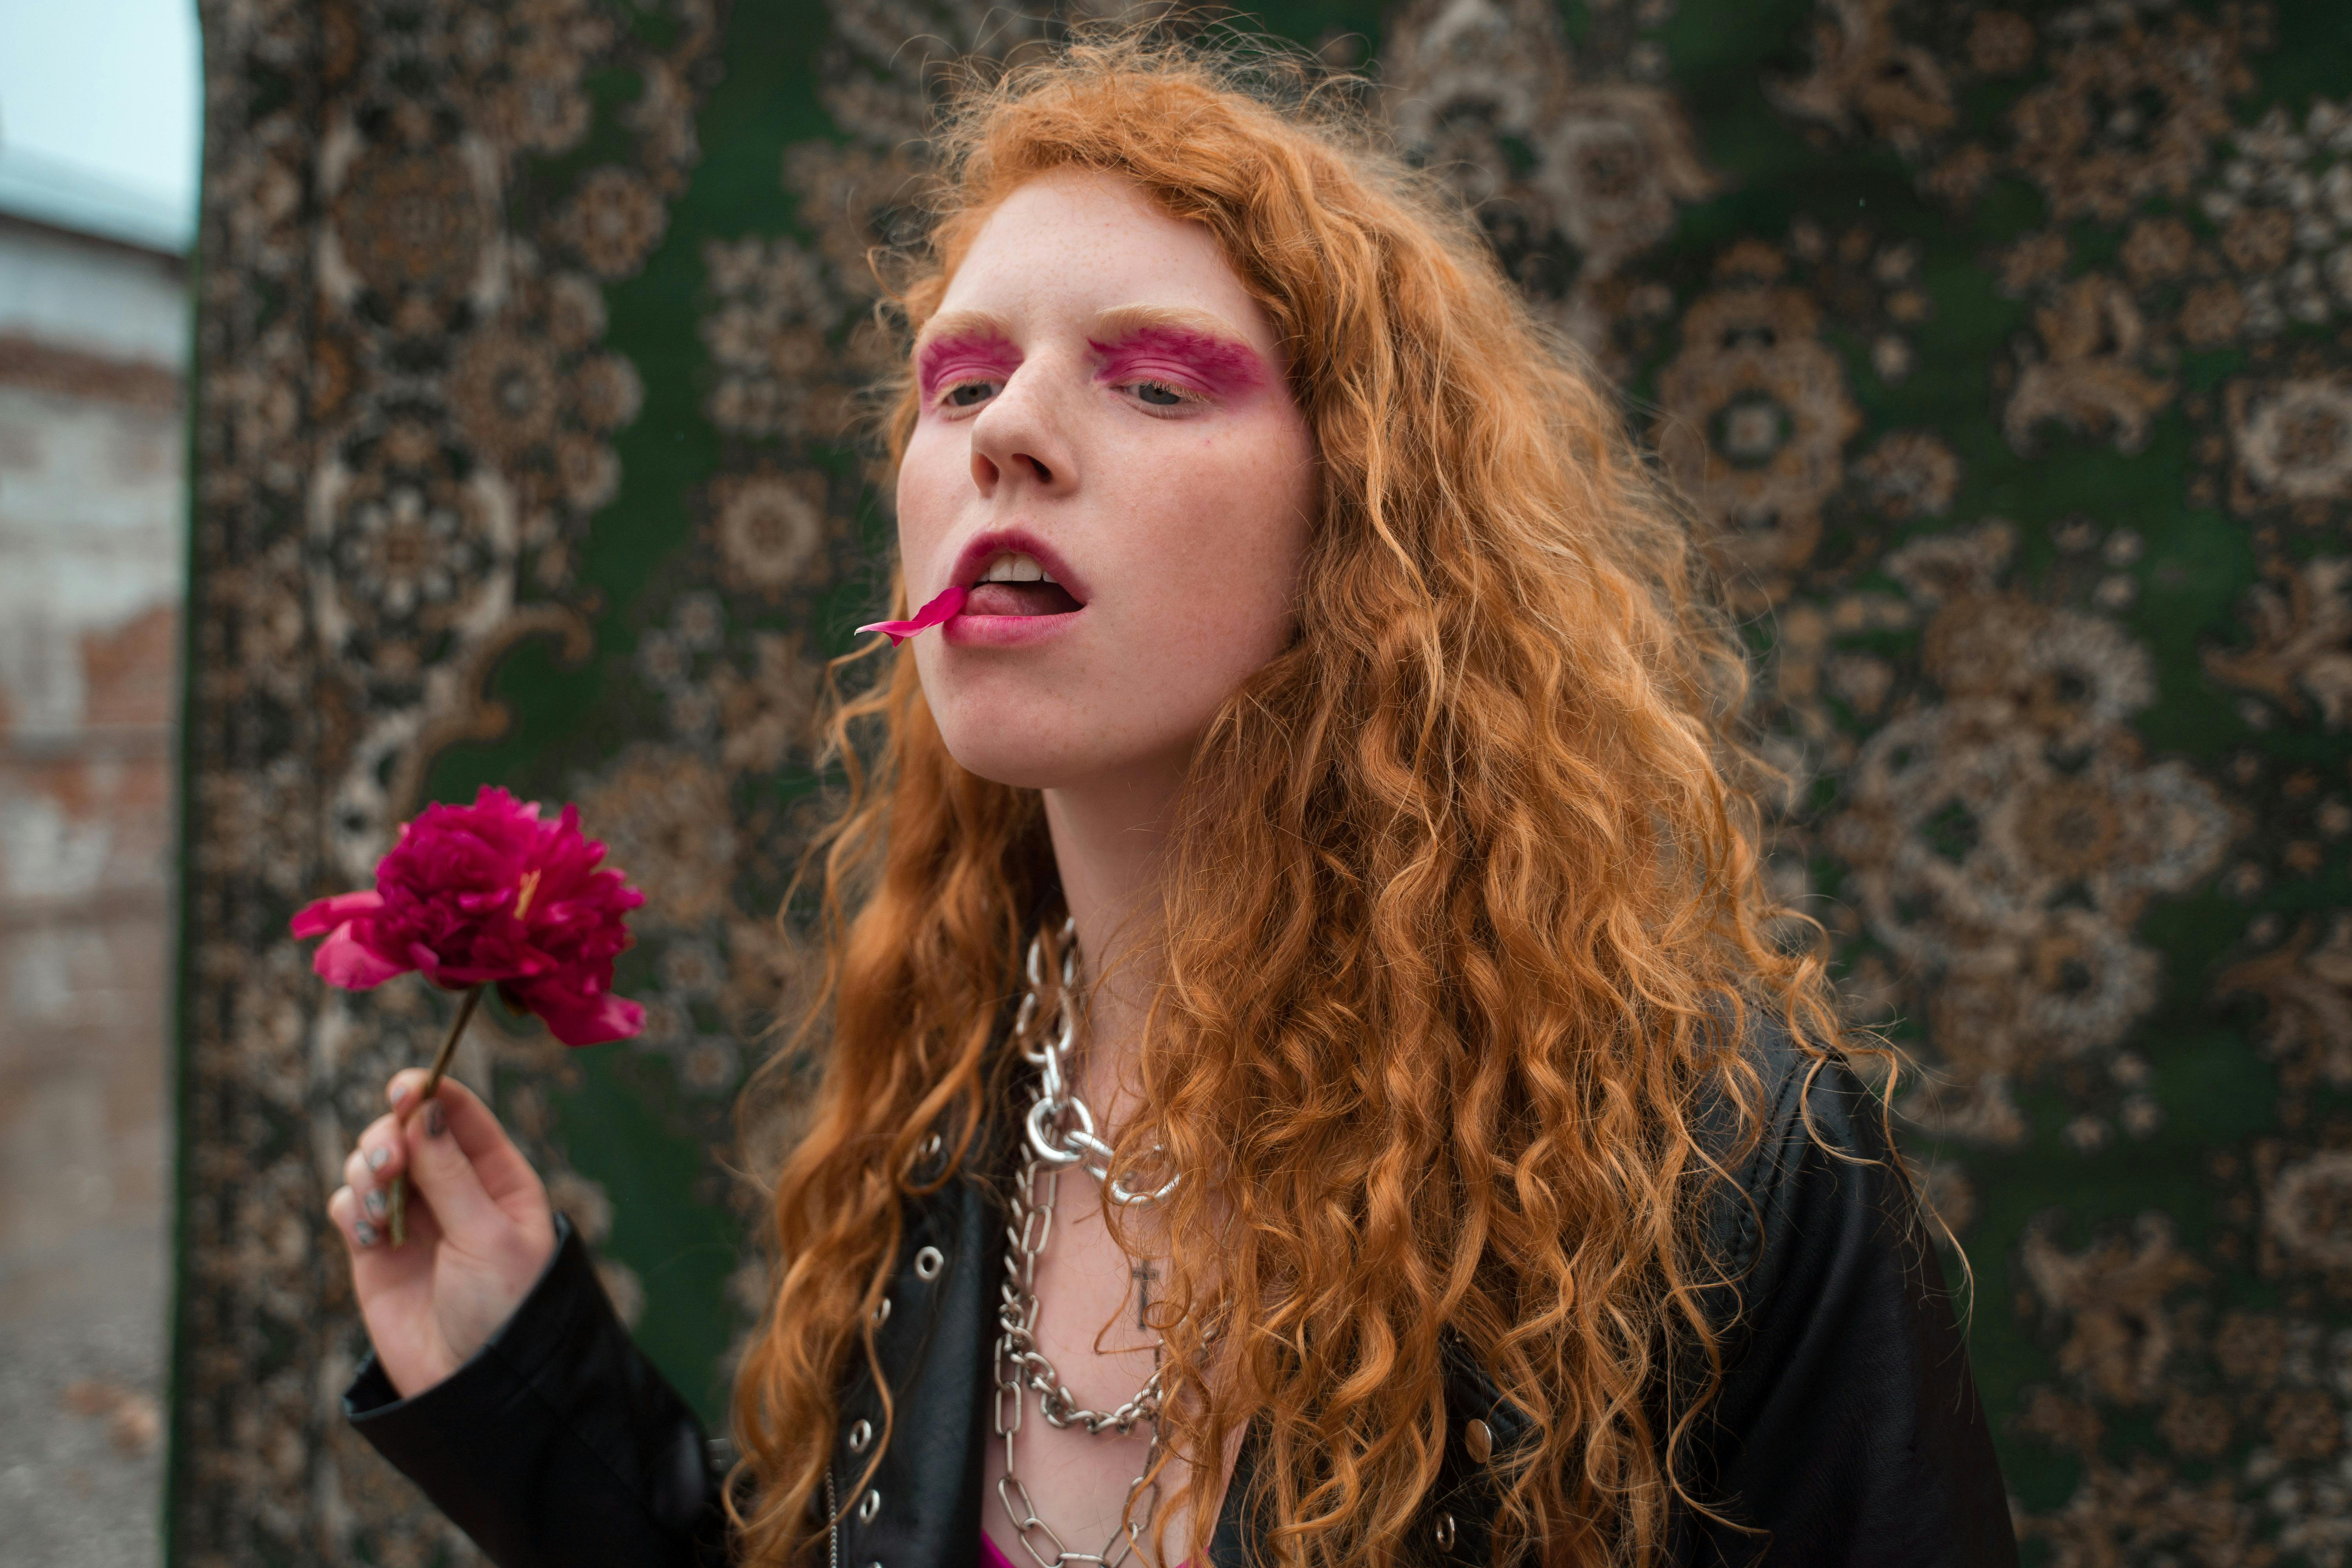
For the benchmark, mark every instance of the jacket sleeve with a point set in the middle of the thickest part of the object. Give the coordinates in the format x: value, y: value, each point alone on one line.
x: 1847, y: 1433
x: 558, y: 1445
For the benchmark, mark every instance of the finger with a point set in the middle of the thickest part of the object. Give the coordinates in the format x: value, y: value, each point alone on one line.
x: 438, y: 1168
x: 498, y: 1166
x: 376, y: 1159
x: 374, y: 1200
x: 379, y: 1140
x: 400, y: 1086
x: 359, y: 1233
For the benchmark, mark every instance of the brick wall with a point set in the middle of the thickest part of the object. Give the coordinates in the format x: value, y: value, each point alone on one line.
x: 91, y: 548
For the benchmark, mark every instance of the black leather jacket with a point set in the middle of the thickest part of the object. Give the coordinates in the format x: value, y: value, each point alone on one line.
x: 1847, y: 1432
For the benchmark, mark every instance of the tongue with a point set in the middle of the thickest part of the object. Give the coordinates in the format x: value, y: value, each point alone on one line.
x: 1019, y: 599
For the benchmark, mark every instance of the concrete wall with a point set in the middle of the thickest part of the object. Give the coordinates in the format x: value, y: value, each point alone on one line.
x: 92, y: 523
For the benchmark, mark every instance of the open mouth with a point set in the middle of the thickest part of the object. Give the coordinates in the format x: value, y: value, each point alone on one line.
x: 1014, y: 583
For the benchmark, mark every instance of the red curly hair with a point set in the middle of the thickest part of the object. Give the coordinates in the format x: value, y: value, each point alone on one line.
x: 1464, y: 883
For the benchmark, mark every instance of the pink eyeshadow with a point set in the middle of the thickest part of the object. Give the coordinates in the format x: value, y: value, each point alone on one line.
x: 961, y: 354
x: 1214, y: 365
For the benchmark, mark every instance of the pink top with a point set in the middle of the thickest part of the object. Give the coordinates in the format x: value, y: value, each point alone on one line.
x: 992, y: 1555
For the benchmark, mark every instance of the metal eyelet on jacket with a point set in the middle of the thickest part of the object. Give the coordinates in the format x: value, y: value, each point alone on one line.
x: 868, y: 1506
x: 882, y: 1312
x: 1480, y: 1440
x: 928, y: 1262
x: 861, y: 1433
x: 1444, y: 1533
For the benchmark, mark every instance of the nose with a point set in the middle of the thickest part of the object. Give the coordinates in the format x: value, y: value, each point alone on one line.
x: 988, y: 472
x: 1019, y: 440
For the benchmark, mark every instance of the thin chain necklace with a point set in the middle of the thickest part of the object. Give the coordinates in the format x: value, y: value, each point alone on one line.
x: 1061, y: 1132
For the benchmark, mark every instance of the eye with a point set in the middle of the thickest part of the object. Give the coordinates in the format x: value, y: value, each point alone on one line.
x: 969, y: 393
x: 1160, y: 395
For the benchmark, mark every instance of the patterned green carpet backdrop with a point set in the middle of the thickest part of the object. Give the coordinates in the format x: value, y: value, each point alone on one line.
x: 2014, y: 345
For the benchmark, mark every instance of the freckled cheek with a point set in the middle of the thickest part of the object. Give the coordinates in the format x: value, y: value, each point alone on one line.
x: 933, y: 476
x: 1221, y: 539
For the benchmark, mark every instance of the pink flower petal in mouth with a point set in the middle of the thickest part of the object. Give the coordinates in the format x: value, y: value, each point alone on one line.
x: 942, y: 608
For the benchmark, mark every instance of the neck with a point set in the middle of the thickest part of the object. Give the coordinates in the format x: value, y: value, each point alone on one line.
x: 1108, y: 838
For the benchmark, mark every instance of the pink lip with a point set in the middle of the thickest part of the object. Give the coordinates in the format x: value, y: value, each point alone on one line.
x: 1007, y: 631
x: 986, y: 547
x: 1011, y: 631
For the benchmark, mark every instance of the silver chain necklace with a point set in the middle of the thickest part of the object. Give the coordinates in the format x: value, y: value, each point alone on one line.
x: 1061, y: 1133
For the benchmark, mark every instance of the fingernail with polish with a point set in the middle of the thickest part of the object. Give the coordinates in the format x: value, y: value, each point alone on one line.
x: 365, y: 1232
x: 376, y: 1157
x: 400, y: 1095
x: 435, y: 1124
x: 377, y: 1204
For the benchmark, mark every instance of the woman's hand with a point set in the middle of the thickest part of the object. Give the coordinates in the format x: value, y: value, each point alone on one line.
x: 478, y: 1225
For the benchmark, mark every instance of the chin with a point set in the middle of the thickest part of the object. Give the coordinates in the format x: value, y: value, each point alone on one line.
x: 1061, y: 726
x: 1008, y: 721
x: 1020, y: 756
x: 1041, y: 746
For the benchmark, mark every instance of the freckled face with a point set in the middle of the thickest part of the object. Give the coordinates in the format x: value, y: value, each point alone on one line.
x: 1103, y: 404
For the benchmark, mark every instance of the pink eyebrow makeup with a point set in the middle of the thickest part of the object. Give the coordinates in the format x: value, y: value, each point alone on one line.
x: 1215, y: 365
x: 954, y: 356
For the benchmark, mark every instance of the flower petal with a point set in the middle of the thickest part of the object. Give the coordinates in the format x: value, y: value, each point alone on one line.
x: 319, y: 918
x: 579, y: 1019
x: 944, y: 608
x: 345, y: 961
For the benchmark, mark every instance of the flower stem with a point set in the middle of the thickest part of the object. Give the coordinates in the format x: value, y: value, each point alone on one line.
x: 432, y: 1086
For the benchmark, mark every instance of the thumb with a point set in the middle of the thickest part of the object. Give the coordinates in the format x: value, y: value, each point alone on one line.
x: 498, y: 1164
x: 446, y: 1178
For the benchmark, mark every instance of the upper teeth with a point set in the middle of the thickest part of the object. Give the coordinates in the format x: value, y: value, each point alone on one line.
x: 1014, y: 568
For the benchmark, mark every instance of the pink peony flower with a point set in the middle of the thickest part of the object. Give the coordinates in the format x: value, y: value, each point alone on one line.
x: 945, y: 608
x: 490, y: 894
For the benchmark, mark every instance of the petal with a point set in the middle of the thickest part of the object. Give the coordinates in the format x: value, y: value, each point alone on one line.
x: 577, y: 1018
x: 343, y: 960
x: 428, y: 963
x: 944, y: 608
x: 613, y: 1018
x: 323, y: 915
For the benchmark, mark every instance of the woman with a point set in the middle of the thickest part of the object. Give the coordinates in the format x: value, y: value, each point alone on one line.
x: 1431, y: 1157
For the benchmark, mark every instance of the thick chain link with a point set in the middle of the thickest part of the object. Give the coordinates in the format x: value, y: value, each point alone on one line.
x: 1058, y: 1099
x: 1021, y: 1366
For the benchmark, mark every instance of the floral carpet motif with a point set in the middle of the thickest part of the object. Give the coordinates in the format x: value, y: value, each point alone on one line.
x: 2007, y: 348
